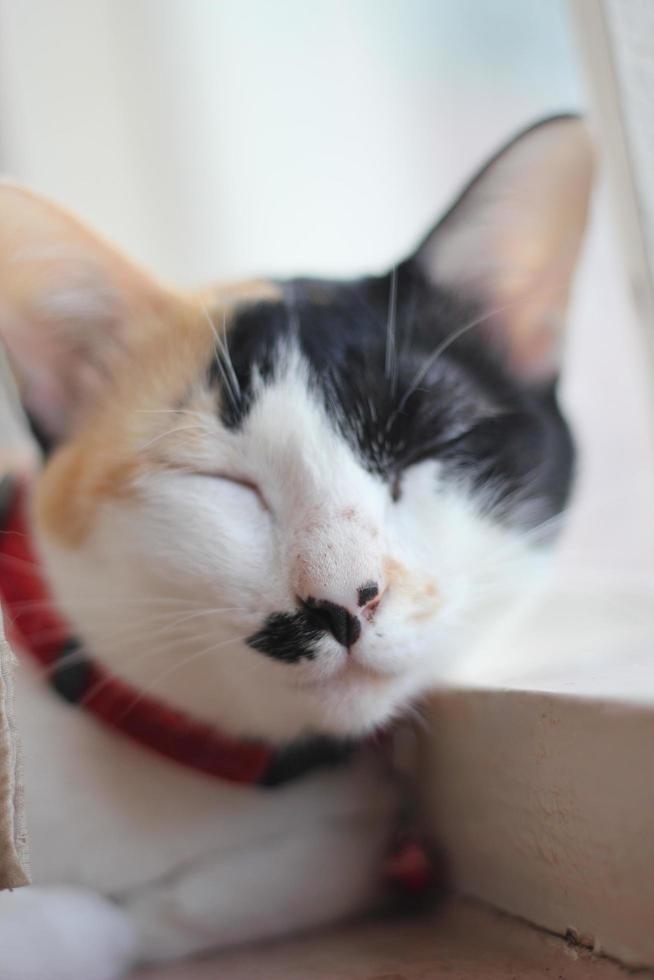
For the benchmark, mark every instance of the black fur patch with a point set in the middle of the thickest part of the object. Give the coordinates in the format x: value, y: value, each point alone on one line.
x: 403, y: 387
x: 43, y: 440
x: 72, y: 679
x: 305, y: 756
x: 289, y: 637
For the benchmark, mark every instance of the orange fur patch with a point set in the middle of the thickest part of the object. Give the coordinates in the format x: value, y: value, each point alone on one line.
x: 425, y: 596
x: 129, y: 431
x: 103, y: 350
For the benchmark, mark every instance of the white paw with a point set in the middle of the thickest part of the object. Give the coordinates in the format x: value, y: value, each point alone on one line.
x: 63, y: 934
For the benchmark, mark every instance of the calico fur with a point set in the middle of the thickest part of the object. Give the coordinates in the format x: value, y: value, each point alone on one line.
x: 287, y: 509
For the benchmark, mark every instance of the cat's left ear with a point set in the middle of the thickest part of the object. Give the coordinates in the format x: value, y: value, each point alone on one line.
x: 510, y: 243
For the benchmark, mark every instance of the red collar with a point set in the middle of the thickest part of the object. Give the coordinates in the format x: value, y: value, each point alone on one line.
x: 37, y: 629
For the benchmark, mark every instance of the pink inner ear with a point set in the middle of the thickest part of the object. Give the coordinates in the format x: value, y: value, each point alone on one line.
x: 528, y: 329
x: 55, y: 381
x: 533, y: 351
x: 512, y: 240
x: 45, y: 401
x: 40, y: 388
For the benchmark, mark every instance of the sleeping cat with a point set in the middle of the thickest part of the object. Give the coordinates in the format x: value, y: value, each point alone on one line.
x: 273, y: 515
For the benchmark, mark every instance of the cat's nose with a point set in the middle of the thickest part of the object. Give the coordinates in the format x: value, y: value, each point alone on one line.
x: 343, y: 624
x: 337, y: 620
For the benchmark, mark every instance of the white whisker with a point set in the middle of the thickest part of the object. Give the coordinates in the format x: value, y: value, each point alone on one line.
x: 390, y: 361
x: 170, y: 432
x: 223, y: 360
x: 172, y: 669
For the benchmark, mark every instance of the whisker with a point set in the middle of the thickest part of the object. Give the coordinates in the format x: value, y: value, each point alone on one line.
x: 150, y: 628
x: 290, y: 303
x: 224, y: 361
x: 229, y: 364
x: 103, y: 601
x: 170, y: 432
x: 202, y: 416
x: 390, y: 361
x: 167, y: 673
x: 207, y: 612
x: 80, y: 655
x: 20, y: 564
x: 433, y: 357
x: 429, y: 362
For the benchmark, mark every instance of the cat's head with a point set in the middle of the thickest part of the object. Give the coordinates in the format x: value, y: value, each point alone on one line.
x: 288, y: 506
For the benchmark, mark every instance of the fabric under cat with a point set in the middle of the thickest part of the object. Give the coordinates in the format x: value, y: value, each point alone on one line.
x: 283, y: 511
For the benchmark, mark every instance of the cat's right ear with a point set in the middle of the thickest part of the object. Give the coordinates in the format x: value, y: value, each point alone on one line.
x: 70, y: 307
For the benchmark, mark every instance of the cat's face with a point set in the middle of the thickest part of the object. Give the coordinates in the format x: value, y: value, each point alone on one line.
x: 295, y: 503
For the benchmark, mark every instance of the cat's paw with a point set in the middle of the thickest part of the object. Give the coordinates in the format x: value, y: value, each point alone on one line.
x: 63, y: 934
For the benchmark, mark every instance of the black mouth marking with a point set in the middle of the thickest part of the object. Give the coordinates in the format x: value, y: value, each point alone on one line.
x: 289, y: 637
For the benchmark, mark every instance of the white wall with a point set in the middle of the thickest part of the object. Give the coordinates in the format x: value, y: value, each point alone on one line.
x: 217, y: 137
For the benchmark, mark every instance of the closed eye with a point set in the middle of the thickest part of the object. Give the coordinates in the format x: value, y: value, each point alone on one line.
x: 486, y: 435
x: 478, y: 440
x: 239, y: 481
x: 491, y: 427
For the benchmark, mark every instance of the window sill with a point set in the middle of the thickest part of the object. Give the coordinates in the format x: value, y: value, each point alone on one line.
x: 543, y: 800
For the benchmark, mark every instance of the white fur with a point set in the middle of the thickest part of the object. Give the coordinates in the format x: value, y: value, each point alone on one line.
x: 63, y: 933
x: 164, y: 591
x: 184, y: 863
x: 143, y: 588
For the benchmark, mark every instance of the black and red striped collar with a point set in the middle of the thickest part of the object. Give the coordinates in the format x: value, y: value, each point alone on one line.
x: 37, y: 629
x: 40, y: 631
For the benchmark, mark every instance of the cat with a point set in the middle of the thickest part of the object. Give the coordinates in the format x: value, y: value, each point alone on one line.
x: 281, y: 510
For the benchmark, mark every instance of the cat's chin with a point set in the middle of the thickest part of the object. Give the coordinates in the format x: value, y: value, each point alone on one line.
x: 357, y: 702
x: 350, y: 674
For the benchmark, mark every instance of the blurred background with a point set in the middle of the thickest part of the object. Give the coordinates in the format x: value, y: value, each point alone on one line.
x: 214, y: 138
x: 220, y: 138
